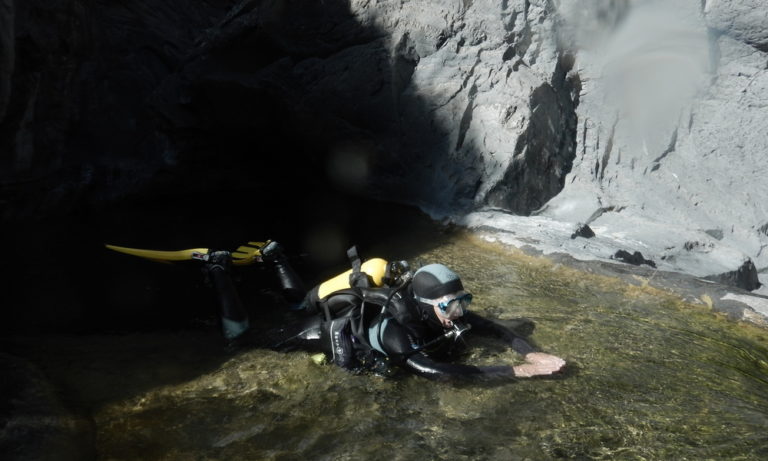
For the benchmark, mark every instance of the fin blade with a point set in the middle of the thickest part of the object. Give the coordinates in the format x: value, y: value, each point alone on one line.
x: 247, y: 254
x: 160, y: 255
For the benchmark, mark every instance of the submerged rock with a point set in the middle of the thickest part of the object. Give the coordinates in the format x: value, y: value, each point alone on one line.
x: 583, y: 230
x: 744, y: 277
x: 34, y: 422
x: 635, y: 258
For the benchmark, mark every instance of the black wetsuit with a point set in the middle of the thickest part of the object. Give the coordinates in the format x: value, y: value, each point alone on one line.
x: 372, y: 328
x: 362, y: 328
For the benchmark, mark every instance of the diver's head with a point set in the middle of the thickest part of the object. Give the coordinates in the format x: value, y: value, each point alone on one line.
x: 439, y: 288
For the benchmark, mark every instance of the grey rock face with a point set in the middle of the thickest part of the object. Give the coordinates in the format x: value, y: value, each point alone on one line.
x: 544, y: 152
x: 74, y: 80
x: 488, y: 114
x: 671, y: 147
x: 742, y: 20
x: 638, y: 117
x: 744, y: 277
x: 7, y: 53
x: 440, y: 104
x: 643, y: 119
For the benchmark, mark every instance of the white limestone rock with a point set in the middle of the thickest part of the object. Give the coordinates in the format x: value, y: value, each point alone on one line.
x: 672, y: 138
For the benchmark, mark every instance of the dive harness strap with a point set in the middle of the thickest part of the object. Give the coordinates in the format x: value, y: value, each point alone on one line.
x: 355, y: 279
x: 354, y: 259
x: 358, y: 278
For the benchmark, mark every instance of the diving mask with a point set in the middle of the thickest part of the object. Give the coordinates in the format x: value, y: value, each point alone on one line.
x: 456, y: 307
x: 451, y: 308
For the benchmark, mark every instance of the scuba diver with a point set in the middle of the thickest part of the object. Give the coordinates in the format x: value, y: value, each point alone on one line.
x: 379, y: 316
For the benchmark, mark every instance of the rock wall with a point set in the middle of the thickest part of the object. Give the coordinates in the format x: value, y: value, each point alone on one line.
x: 74, y: 80
x: 7, y: 53
x: 488, y: 112
x: 671, y: 138
x: 640, y: 118
x: 433, y: 101
x: 438, y: 104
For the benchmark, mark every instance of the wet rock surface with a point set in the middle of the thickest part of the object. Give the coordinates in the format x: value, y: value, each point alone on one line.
x: 737, y: 303
x: 744, y: 277
x: 583, y: 230
x: 550, y: 239
x: 169, y: 125
x: 35, y: 422
x: 671, y: 370
x: 635, y: 258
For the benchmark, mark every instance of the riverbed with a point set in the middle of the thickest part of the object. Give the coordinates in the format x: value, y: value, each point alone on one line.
x: 649, y: 377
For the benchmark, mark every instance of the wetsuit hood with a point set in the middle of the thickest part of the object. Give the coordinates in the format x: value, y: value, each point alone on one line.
x: 431, y: 282
x: 434, y: 281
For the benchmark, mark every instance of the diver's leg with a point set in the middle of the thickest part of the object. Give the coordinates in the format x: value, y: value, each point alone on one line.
x: 304, y: 334
x: 292, y: 285
x: 234, y: 318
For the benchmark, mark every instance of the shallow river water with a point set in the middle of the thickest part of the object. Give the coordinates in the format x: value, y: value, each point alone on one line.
x: 649, y: 378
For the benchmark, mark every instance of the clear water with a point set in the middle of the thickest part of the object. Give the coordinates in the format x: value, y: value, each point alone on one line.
x: 650, y: 378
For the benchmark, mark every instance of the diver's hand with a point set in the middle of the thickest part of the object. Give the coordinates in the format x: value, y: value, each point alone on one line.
x: 539, y: 364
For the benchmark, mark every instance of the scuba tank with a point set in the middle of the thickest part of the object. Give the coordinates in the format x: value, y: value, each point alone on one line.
x: 373, y: 273
x: 374, y: 269
x: 351, y: 300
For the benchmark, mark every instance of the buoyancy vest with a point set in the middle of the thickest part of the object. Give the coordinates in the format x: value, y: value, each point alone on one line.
x: 362, y: 305
x: 361, y: 300
x: 356, y: 316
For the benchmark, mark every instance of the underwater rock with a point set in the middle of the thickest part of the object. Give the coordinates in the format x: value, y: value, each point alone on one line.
x: 635, y: 258
x: 583, y: 230
x: 34, y: 423
x: 744, y: 277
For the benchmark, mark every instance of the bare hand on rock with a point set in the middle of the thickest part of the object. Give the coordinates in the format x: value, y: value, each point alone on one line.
x: 539, y: 364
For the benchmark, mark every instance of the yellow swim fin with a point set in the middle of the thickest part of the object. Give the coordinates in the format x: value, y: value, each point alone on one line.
x: 248, y: 254
x: 244, y: 255
x: 164, y: 256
